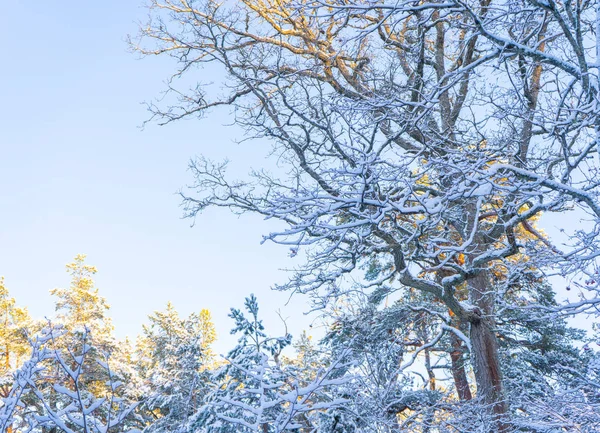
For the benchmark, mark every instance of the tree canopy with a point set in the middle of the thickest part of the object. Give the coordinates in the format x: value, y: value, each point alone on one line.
x: 421, y: 141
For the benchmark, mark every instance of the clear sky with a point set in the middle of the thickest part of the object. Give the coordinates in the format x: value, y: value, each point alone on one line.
x: 78, y: 175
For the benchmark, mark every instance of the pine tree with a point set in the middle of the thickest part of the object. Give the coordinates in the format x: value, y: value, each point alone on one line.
x: 259, y: 391
x: 80, y: 305
x: 81, y: 311
x: 71, y: 407
x: 174, y: 356
x: 15, y: 325
x: 245, y: 398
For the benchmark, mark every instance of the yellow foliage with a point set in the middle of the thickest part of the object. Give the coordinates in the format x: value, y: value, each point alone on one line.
x: 15, y: 324
x: 80, y: 304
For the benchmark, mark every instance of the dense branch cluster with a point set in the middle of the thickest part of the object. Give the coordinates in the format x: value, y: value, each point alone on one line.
x: 422, y: 142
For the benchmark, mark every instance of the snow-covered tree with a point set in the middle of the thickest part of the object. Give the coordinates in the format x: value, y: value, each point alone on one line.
x: 421, y: 138
x: 80, y: 305
x: 245, y: 396
x: 174, y: 356
x: 81, y: 310
x: 50, y: 391
x: 255, y: 391
x: 15, y: 324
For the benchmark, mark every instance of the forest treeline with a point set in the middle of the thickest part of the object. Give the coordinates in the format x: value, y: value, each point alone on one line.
x: 374, y: 370
x: 69, y: 373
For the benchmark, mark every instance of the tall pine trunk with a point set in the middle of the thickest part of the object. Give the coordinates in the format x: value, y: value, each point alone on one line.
x: 484, y: 346
x: 458, y: 368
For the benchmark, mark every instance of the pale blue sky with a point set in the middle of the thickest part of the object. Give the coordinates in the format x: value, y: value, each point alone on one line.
x: 77, y: 175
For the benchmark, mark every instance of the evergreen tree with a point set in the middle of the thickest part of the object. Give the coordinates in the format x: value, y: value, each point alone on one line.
x: 173, y: 359
x: 70, y: 407
x: 83, y: 314
x: 15, y: 325
x: 81, y: 306
x: 257, y: 390
x: 244, y: 397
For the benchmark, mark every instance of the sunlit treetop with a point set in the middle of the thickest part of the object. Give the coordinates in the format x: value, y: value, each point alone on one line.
x: 15, y: 324
x: 80, y: 304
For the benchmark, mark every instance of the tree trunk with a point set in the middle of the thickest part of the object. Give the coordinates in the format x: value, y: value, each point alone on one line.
x: 484, y: 347
x: 458, y: 369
